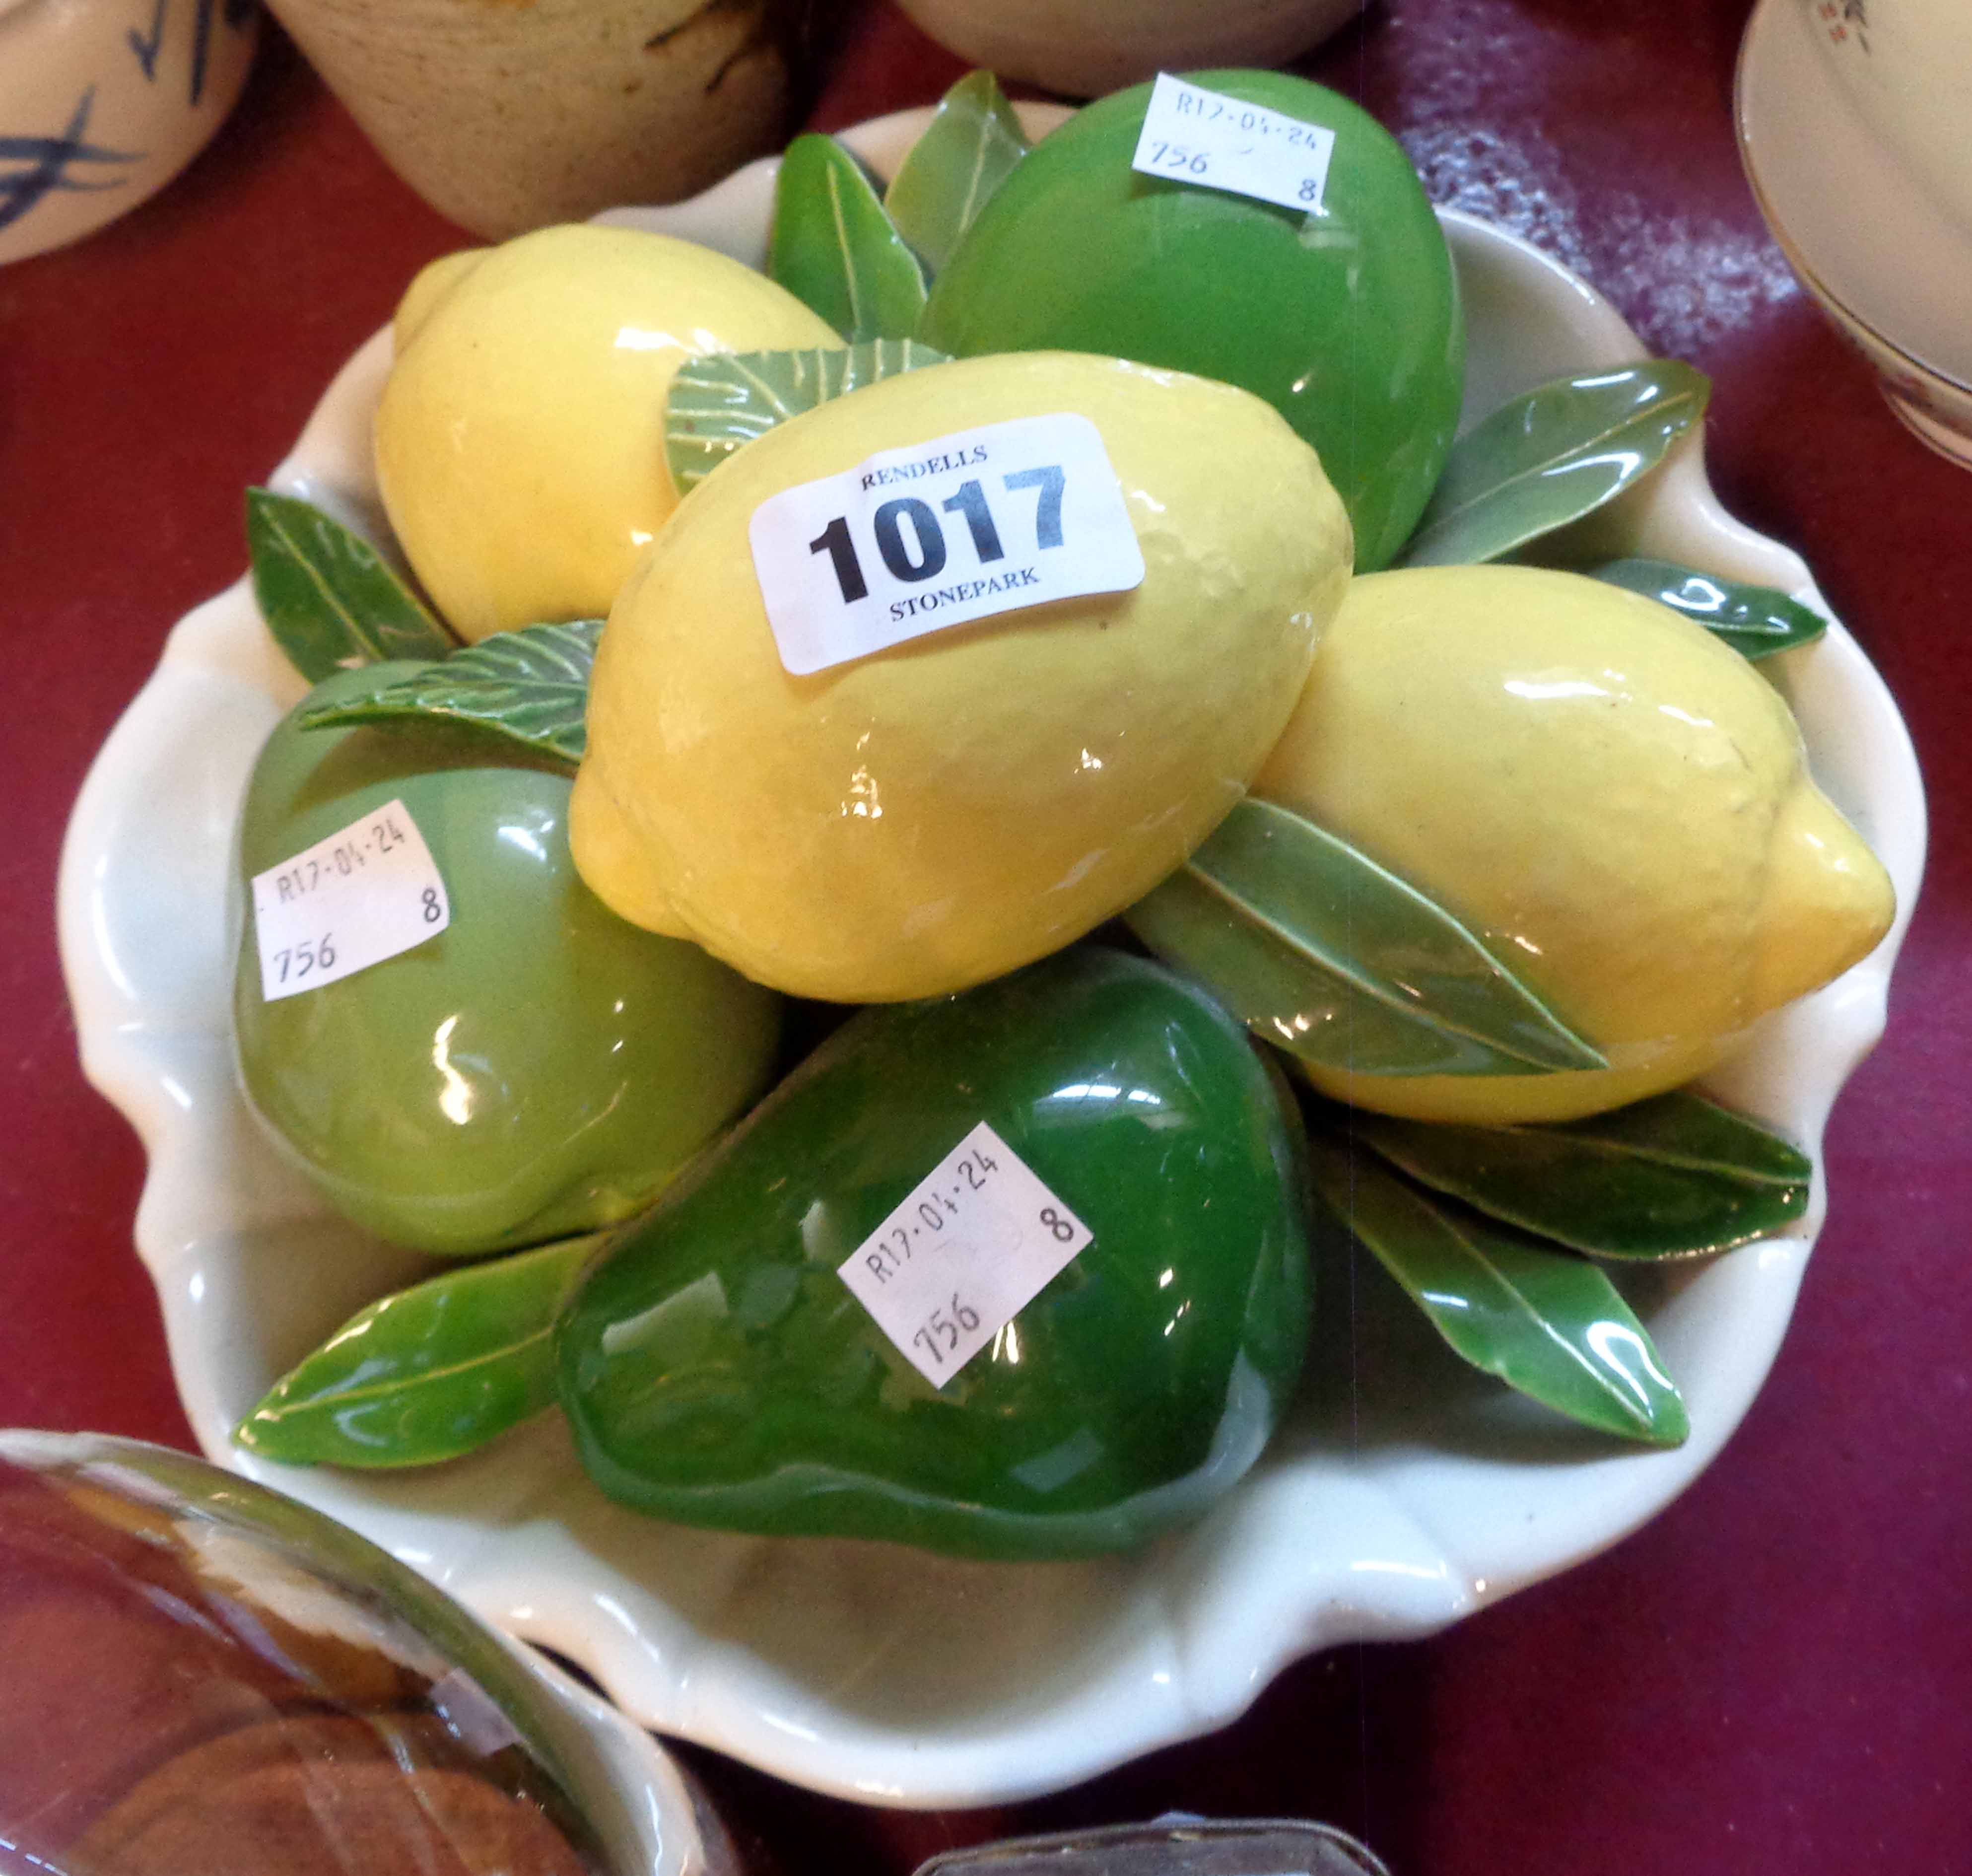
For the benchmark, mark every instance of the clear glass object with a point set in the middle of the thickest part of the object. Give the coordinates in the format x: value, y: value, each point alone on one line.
x: 198, y: 1675
x: 1170, y: 1846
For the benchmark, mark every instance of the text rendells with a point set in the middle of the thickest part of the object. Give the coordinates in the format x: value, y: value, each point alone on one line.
x: 945, y: 532
x: 971, y: 1245
x: 363, y: 894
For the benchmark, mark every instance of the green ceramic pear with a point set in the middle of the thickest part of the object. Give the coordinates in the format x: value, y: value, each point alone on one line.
x: 718, y: 1369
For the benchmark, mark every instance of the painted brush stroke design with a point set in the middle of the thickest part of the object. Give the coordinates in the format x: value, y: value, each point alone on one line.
x: 32, y: 168
x: 142, y: 84
x: 147, y: 45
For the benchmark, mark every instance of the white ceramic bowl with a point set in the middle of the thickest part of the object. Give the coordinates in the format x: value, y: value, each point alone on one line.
x: 1083, y: 48
x: 102, y: 102
x: 1405, y: 1492
x: 1888, y: 265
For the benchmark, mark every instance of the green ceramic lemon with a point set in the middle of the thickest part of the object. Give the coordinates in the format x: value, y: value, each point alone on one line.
x: 539, y: 1067
x: 1347, y: 321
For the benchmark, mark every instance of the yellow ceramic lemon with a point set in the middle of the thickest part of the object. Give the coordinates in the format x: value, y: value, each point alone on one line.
x: 926, y: 817
x: 520, y: 441
x: 1618, y: 801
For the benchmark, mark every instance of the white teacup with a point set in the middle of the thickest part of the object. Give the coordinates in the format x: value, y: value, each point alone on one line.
x: 1907, y: 65
x: 102, y: 102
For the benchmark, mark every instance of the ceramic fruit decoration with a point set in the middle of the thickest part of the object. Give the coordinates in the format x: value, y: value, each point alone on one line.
x: 1473, y: 844
x: 898, y: 825
x: 428, y: 1373
x: 1346, y: 318
x: 538, y: 1067
x: 1612, y: 799
x: 520, y: 441
x: 717, y: 1369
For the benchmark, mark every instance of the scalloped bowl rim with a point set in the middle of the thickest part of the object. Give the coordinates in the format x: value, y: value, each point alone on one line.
x: 861, y: 1670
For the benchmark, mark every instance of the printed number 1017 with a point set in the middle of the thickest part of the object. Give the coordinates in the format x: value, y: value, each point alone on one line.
x: 924, y: 555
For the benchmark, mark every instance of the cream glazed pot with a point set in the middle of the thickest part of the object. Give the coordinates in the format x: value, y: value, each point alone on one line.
x: 103, y: 102
x: 1083, y: 48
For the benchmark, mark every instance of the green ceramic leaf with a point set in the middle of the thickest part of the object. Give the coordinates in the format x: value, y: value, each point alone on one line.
x: 1756, y: 621
x: 832, y: 245
x: 1677, y: 1176
x: 1546, y: 458
x: 530, y: 686
x: 1547, y: 1323
x: 1334, y: 958
x: 720, y: 403
x: 973, y: 140
x: 331, y: 600
x: 429, y: 1373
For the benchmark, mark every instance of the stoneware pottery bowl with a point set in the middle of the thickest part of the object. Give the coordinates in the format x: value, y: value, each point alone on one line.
x: 1404, y: 1492
x: 506, y: 118
x: 102, y: 102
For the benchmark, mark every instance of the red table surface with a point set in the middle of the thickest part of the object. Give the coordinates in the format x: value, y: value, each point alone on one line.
x: 1774, y: 1675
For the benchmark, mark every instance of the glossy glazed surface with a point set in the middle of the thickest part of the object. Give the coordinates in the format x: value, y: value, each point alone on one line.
x: 716, y: 1370
x: 539, y: 1067
x: 1066, y: 1668
x: 1557, y: 455
x: 520, y: 441
x: 1599, y: 134
x: 1349, y: 325
x: 1677, y: 1176
x: 1615, y: 799
x: 835, y: 248
x: 429, y: 1372
x: 912, y: 822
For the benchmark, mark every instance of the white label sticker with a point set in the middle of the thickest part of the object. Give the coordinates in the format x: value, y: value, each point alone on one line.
x: 346, y: 903
x: 972, y: 1244
x: 1191, y: 135
x: 941, y: 534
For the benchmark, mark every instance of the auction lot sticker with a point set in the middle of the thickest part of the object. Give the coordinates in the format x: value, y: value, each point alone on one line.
x: 941, y: 534
x: 1192, y: 134
x: 968, y: 1248
x: 365, y: 893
